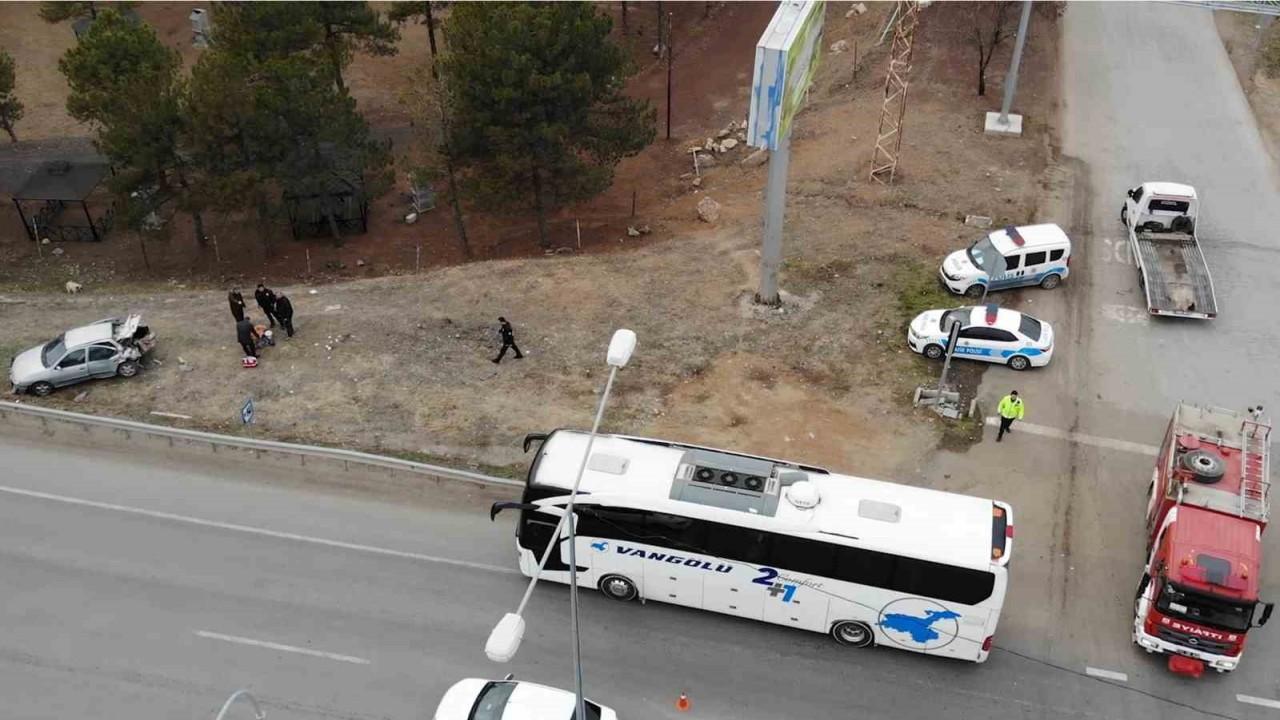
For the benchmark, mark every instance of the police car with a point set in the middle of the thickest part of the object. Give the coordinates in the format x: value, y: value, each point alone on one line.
x: 989, y: 333
x: 508, y: 699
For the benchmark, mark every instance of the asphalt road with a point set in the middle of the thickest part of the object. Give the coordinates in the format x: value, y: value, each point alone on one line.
x: 133, y: 589
x: 1148, y: 94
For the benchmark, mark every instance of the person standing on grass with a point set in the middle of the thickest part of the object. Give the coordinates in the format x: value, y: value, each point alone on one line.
x: 236, y: 301
x: 284, y: 313
x: 247, y: 336
x: 1010, y: 409
x: 508, y: 340
x: 267, y: 301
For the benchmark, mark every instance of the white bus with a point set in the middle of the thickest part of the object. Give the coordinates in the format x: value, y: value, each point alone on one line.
x: 870, y: 562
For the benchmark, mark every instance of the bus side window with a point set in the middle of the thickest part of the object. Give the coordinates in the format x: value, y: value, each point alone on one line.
x: 802, y: 556
x: 736, y: 543
x: 865, y: 567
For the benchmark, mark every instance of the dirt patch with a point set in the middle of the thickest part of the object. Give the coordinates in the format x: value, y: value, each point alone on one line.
x: 1247, y: 38
x: 400, y: 363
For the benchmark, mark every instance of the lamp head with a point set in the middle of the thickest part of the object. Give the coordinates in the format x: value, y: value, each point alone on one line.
x: 621, y: 347
x: 505, y: 639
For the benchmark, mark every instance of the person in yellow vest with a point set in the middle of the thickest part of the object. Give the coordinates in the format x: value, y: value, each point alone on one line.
x: 1011, y: 408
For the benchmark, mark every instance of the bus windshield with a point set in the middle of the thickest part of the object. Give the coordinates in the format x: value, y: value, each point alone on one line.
x: 1205, y: 609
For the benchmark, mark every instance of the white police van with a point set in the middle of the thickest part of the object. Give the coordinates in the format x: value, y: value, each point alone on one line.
x: 1033, y: 255
x: 989, y: 333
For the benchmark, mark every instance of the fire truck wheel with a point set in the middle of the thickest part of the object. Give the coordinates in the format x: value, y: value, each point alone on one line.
x: 1208, y: 467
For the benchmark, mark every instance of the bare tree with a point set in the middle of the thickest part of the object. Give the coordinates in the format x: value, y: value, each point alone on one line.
x: 991, y: 25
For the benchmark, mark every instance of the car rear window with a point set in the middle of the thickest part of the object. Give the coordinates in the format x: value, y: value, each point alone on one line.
x: 1030, y: 327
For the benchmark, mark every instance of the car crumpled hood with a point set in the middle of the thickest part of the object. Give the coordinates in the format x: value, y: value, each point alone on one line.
x: 27, y: 366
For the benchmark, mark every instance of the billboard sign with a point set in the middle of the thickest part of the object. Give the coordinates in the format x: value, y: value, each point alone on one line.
x: 786, y: 59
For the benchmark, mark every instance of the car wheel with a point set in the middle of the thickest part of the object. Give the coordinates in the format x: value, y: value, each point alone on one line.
x: 934, y: 351
x: 1050, y: 282
x: 41, y: 389
x: 1019, y: 362
x: 852, y: 633
x: 617, y: 587
x: 1124, y: 214
x: 973, y: 292
x: 127, y: 369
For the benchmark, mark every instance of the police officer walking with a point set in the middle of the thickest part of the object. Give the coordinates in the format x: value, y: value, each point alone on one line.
x: 508, y: 340
x: 1010, y: 409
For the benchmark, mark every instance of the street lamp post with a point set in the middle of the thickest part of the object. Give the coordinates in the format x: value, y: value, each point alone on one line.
x: 257, y: 710
x: 505, y: 638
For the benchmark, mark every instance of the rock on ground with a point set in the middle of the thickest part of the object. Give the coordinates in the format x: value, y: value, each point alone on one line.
x: 708, y: 210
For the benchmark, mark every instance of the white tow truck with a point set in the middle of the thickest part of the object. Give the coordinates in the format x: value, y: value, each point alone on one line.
x: 1161, y: 219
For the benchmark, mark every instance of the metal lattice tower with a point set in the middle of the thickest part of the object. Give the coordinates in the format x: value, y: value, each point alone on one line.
x: 884, y: 160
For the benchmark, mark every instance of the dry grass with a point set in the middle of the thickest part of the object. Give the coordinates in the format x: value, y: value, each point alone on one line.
x: 402, y: 365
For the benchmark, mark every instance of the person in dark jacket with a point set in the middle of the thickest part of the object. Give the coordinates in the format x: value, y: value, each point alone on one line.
x: 508, y: 340
x: 284, y: 313
x: 236, y: 300
x: 247, y: 336
x: 267, y: 301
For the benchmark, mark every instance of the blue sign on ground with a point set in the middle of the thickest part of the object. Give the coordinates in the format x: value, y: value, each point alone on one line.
x: 246, y: 411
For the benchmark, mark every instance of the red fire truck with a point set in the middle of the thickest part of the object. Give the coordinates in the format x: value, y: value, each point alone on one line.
x: 1198, y: 596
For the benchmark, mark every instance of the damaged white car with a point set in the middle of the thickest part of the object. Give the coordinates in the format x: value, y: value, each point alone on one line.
x: 106, y: 348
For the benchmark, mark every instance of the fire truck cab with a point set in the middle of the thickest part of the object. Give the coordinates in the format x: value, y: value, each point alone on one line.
x: 1207, y: 508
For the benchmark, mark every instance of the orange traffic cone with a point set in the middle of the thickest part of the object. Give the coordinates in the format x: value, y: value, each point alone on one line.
x: 683, y: 703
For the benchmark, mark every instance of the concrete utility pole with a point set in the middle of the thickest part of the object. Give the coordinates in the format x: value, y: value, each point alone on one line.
x: 775, y: 205
x: 1004, y: 123
x: 1011, y: 82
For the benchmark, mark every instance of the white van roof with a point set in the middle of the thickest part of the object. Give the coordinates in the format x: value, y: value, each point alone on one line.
x: 1169, y: 188
x: 1033, y: 236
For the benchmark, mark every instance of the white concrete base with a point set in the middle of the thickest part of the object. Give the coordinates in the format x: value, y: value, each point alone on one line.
x: 995, y: 127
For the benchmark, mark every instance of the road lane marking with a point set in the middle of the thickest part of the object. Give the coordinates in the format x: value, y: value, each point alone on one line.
x: 1081, y: 438
x: 264, y: 532
x: 285, y: 648
x: 1106, y: 674
x: 1264, y: 702
x: 1126, y: 314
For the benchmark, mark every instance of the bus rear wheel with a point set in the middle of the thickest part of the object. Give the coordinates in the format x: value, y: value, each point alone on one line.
x: 852, y: 633
x: 616, y: 587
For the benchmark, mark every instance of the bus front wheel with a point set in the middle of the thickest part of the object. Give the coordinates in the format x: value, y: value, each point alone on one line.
x: 853, y: 633
x: 616, y: 587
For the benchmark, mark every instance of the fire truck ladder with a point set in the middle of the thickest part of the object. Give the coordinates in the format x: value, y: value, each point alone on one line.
x: 1255, y: 481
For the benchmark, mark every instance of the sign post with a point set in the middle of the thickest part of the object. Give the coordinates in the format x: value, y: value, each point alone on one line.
x: 786, y: 59
x: 942, y: 399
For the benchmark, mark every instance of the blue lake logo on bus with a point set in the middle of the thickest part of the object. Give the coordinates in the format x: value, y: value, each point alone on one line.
x: 919, y: 624
x: 665, y: 557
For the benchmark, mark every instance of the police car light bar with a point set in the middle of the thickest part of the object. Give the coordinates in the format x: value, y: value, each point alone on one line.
x: 1013, y: 234
x: 993, y: 311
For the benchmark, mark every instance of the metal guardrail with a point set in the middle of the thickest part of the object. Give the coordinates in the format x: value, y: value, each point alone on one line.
x: 313, y: 451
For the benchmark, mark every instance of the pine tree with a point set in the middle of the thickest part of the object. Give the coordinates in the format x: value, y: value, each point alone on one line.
x: 536, y: 90
x: 10, y: 107
x: 127, y: 85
